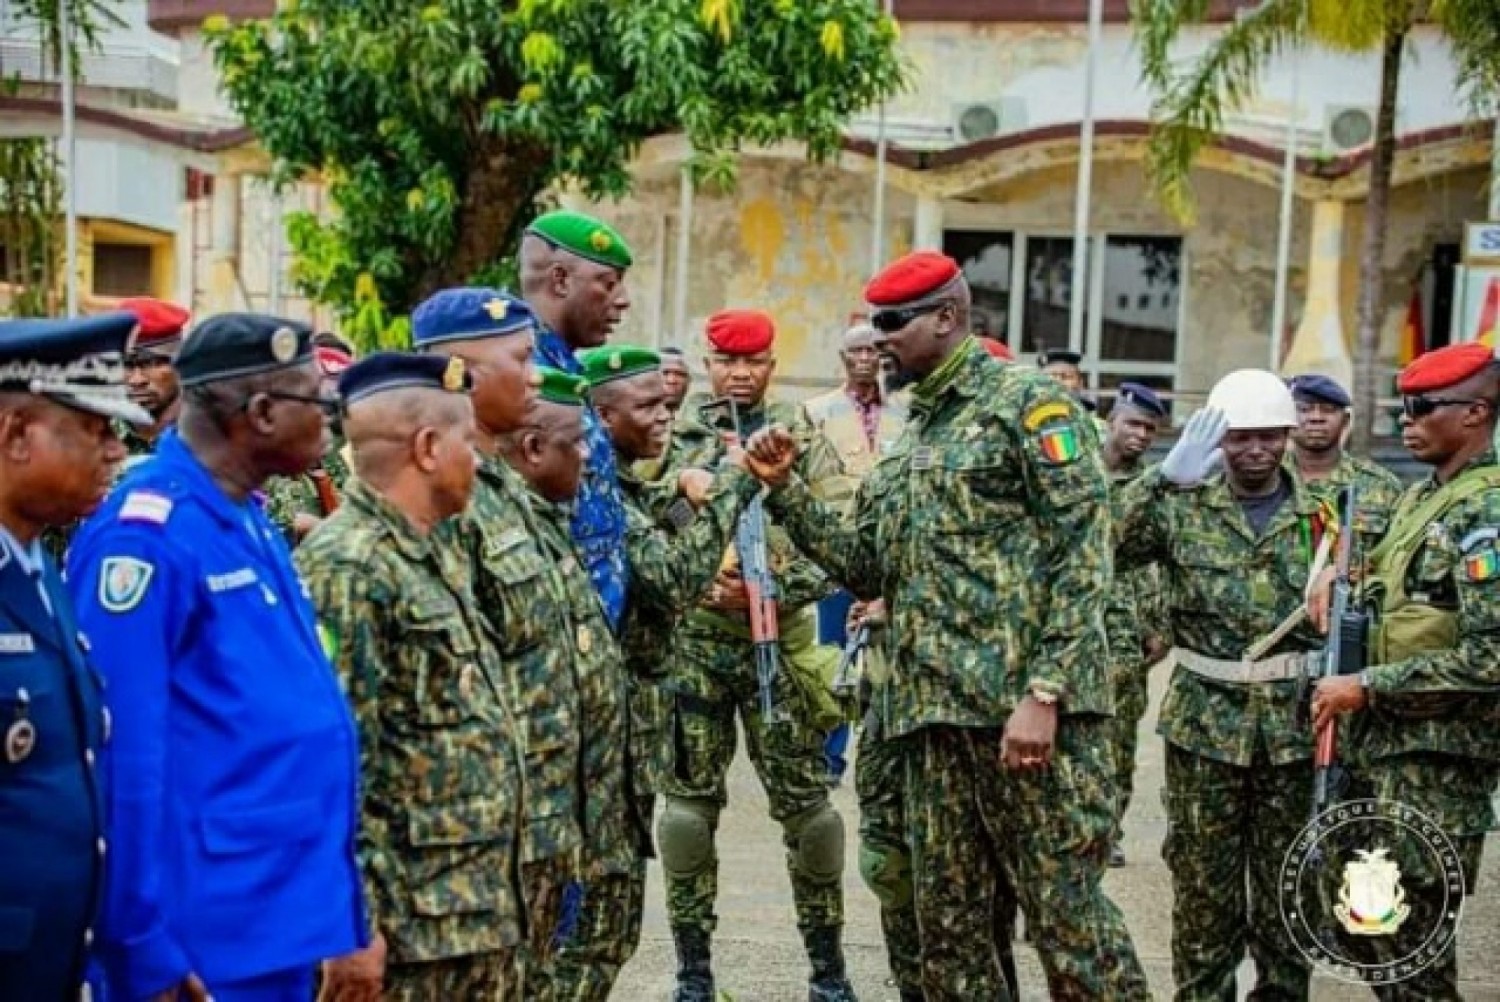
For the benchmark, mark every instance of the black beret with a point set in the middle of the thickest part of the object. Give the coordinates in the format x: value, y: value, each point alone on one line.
x: 396, y: 370
x: 1321, y: 388
x: 232, y: 345
x: 1058, y: 356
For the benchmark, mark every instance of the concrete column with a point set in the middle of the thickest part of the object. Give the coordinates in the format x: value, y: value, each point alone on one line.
x: 1318, y: 345
x: 223, y: 269
x: 927, y: 231
x: 1495, y: 172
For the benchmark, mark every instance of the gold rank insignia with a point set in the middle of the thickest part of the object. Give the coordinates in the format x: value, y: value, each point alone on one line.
x: 453, y: 376
x: 600, y: 241
x: 585, y: 640
x: 497, y: 308
x: 284, y: 344
x: 1042, y: 413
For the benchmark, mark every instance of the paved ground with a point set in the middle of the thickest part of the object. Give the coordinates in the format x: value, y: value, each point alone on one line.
x: 758, y: 956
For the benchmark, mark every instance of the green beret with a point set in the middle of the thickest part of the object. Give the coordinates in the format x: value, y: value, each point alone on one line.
x: 618, y: 361
x: 558, y: 387
x: 585, y: 236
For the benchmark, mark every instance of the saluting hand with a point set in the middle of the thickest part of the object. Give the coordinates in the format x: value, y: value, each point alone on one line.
x: 1196, y: 453
x: 1030, y: 734
x: 356, y: 977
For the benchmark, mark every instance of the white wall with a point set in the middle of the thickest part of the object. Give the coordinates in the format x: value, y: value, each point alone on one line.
x: 132, y: 184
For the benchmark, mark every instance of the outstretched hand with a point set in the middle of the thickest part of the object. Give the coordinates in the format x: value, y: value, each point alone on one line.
x: 770, y: 454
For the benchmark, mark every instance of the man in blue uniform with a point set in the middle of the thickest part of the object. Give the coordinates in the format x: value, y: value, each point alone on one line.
x: 235, y: 760
x: 573, y: 278
x: 61, y: 383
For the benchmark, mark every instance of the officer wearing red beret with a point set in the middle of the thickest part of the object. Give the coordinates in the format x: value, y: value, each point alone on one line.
x: 1424, y: 734
x: 713, y: 680
x: 148, y: 369
x: 986, y: 531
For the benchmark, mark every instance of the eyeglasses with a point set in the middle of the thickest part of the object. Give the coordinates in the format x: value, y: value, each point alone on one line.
x: 330, y: 406
x: 1420, y: 406
x: 891, y: 321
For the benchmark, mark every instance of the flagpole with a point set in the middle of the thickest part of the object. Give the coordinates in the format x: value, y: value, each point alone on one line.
x: 1284, y: 236
x: 877, y: 230
x: 1079, y: 284
x: 70, y: 150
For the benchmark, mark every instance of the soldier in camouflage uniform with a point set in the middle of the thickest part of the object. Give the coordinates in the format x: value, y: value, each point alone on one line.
x: 1235, y: 551
x: 1136, y: 614
x: 522, y: 594
x: 297, y: 504
x: 669, y: 571
x: 1319, y: 458
x: 441, y: 773
x: 712, y: 679
x: 1424, y: 728
x: 986, y: 532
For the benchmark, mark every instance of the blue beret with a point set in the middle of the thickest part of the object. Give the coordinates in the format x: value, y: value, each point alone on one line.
x: 1142, y: 398
x: 469, y: 314
x: 1319, y: 388
x: 232, y: 345
x: 398, y: 370
x: 78, y: 363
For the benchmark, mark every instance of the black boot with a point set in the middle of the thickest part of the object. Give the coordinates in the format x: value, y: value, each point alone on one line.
x: 829, y: 982
x: 695, y: 977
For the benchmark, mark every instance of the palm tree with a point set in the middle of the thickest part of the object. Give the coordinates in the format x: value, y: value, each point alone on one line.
x: 1191, y: 102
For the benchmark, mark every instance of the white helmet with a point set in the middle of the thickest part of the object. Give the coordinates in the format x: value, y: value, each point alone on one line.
x: 1254, y: 398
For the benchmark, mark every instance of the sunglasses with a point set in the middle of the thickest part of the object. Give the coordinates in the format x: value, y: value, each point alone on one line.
x: 1421, y: 406
x: 891, y: 321
x: 330, y: 406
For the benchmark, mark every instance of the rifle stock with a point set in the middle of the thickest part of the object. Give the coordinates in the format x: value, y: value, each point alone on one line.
x: 1344, y: 654
x: 328, y: 498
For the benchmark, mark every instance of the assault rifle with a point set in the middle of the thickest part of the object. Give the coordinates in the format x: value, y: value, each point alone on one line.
x: 1344, y: 654
x: 750, y: 541
x: 328, y: 498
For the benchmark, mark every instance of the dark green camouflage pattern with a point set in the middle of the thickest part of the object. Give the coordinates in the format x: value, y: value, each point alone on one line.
x: 288, y: 497
x: 1378, y: 492
x: 878, y: 782
x: 488, y: 976
x: 440, y: 756
x: 606, y: 936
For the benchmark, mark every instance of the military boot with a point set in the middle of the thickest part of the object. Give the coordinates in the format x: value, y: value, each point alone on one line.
x: 829, y: 982
x: 695, y: 977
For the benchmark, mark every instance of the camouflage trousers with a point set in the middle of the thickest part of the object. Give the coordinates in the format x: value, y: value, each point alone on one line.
x: 1454, y: 793
x: 490, y: 977
x: 543, y: 884
x: 885, y: 860
x: 713, y: 681
x: 972, y: 822
x: 1228, y: 830
x: 607, y: 933
x: 1131, y: 699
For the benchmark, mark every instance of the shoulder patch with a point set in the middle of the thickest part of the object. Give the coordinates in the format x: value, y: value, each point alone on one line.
x: 146, y: 506
x: 1042, y: 413
x: 1059, y: 442
x: 123, y: 582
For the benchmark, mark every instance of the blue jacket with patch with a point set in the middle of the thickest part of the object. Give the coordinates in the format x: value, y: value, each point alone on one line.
x: 235, y: 761
x: 53, y: 730
x: 598, y: 526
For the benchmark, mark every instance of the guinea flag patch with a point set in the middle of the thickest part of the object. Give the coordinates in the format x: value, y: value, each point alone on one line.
x: 1482, y: 565
x: 1059, y: 442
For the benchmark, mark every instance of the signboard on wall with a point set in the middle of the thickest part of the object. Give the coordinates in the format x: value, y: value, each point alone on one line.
x: 1482, y: 243
x: 1476, y: 304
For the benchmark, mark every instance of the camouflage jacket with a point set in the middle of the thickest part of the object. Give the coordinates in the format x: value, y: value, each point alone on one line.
x: 986, y: 531
x: 288, y: 497
x: 698, y: 443
x: 1445, y: 700
x: 1137, y: 606
x: 671, y: 567
x: 524, y: 604
x: 614, y: 833
x: 1227, y: 588
x: 1379, y: 492
x: 440, y: 765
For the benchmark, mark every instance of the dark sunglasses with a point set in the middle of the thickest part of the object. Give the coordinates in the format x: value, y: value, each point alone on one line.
x: 891, y: 321
x: 330, y: 406
x: 1421, y: 406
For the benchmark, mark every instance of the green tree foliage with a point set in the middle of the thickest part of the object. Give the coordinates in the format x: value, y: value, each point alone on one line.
x: 1193, y: 98
x: 437, y: 127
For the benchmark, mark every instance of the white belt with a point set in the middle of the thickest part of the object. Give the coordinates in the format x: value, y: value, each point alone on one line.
x: 1277, y: 669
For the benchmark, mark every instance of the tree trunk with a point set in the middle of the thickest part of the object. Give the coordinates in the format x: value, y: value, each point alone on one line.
x: 497, y: 194
x: 1370, y: 313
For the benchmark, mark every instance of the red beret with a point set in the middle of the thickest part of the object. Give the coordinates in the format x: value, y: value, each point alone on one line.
x: 1444, y: 367
x: 996, y: 349
x: 910, y: 278
x: 160, y: 321
x: 741, y: 332
x: 331, y: 361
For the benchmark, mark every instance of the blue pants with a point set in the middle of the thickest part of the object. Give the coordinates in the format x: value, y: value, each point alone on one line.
x: 833, y: 611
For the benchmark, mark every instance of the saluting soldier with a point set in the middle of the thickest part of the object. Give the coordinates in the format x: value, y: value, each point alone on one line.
x: 235, y: 756
x: 62, y: 385
x: 1236, y: 551
x: 522, y: 595
x: 1136, y: 615
x: 1425, y: 710
x: 441, y: 787
x: 712, y: 680
x: 986, y: 532
x: 1318, y: 453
